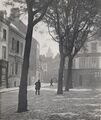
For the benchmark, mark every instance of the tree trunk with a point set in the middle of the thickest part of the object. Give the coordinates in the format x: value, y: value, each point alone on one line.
x: 22, y: 100
x: 60, y: 76
x: 68, y: 84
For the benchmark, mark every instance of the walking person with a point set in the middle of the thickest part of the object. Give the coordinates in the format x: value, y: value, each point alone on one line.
x: 37, y: 87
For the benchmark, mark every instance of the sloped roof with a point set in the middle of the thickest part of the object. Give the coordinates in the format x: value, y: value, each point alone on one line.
x: 20, y: 25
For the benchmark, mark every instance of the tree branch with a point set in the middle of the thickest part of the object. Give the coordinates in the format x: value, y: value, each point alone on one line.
x: 51, y: 34
x: 42, y: 14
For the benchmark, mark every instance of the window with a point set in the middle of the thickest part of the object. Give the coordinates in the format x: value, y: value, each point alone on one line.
x: 94, y: 47
x: 12, y: 44
x: 4, y: 34
x: 21, y: 48
x: 17, y: 47
x: 80, y: 80
x: 14, y: 83
x: 3, y: 52
x: 94, y: 62
x: 82, y: 62
x: 12, y: 68
x: 16, y: 68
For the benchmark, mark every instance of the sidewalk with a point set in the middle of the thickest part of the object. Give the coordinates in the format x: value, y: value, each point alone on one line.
x: 17, y: 88
x: 12, y: 89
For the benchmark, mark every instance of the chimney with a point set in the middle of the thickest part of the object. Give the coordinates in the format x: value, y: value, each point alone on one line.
x: 15, y: 14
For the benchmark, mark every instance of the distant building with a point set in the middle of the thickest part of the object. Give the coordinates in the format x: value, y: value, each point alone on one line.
x: 87, y: 65
x: 4, y: 31
x: 49, y: 68
x: 34, y: 62
x: 86, y: 69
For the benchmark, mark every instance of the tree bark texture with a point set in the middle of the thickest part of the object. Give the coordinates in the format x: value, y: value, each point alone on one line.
x: 22, y: 98
x: 60, y: 76
x: 68, y: 81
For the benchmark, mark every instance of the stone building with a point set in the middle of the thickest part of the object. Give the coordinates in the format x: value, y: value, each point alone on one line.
x: 4, y: 31
x: 86, y: 69
x: 87, y: 65
x: 49, y: 66
x: 34, y: 62
x: 16, y: 44
x: 12, y: 44
x: 15, y: 55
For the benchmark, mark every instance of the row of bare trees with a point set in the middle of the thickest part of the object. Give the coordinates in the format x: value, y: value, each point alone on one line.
x: 69, y: 20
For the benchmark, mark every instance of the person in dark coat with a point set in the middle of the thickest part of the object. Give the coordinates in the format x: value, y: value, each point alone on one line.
x: 37, y: 87
x: 51, y: 82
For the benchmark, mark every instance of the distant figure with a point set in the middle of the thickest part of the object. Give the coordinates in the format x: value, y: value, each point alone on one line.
x: 37, y: 87
x: 51, y: 82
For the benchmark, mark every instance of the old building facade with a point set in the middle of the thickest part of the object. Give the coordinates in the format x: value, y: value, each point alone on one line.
x: 49, y: 66
x: 17, y: 34
x: 4, y: 31
x: 15, y: 55
x: 86, y: 69
x: 12, y: 44
x: 87, y: 65
x: 34, y: 62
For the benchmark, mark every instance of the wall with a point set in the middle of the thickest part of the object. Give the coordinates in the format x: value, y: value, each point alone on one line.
x: 3, y: 25
x: 15, y: 57
x: 86, y: 78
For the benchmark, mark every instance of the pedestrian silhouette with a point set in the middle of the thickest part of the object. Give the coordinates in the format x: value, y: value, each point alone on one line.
x: 37, y: 87
x: 51, y: 82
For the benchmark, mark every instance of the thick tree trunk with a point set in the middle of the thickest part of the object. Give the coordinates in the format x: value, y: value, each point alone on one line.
x: 60, y: 76
x: 68, y: 81
x: 22, y: 98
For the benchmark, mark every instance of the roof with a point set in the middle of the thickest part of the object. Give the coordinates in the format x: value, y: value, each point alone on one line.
x: 16, y: 30
x: 18, y: 26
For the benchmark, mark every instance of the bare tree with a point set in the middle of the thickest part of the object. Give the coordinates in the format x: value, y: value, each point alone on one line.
x: 71, y: 20
x: 36, y: 10
x: 53, y: 19
x: 82, y: 18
